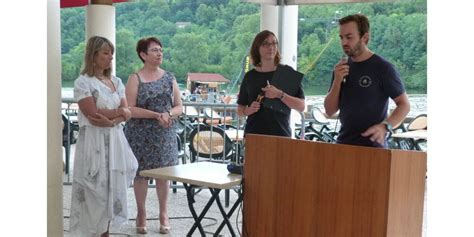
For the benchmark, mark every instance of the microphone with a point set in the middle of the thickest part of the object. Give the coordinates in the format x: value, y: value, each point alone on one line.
x: 345, y: 59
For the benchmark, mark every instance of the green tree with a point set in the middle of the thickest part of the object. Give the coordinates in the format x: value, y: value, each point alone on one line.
x: 221, y: 31
x: 205, y: 14
x: 417, y: 80
x: 72, y: 28
x: 72, y: 63
x: 188, y: 53
x: 126, y: 58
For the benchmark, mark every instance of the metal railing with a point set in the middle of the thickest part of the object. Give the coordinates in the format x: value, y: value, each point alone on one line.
x: 214, y: 116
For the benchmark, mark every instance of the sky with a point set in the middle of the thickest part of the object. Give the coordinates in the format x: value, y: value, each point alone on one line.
x: 23, y: 137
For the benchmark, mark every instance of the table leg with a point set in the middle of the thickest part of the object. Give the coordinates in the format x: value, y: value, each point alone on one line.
x: 229, y: 214
x: 224, y: 215
x: 197, y: 223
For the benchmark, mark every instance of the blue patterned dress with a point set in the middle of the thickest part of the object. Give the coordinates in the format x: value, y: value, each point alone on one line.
x: 153, y: 145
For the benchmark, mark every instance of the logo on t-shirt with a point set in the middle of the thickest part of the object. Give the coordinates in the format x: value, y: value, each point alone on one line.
x: 365, y: 81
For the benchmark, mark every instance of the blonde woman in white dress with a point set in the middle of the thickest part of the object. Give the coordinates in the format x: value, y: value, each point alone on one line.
x: 104, y: 164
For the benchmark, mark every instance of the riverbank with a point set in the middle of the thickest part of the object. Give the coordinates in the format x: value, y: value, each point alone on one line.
x: 418, y: 102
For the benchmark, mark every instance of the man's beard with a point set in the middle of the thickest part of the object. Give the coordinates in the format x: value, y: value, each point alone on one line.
x: 356, y: 51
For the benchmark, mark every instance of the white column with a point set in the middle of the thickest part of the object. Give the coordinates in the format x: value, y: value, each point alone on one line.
x: 289, y: 35
x: 289, y: 47
x: 269, y: 19
x: 54, y: 158
x: 283, y: 21
x: 100, y: 21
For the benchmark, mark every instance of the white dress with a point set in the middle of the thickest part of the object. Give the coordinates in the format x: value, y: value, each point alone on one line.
x: 104, y: 165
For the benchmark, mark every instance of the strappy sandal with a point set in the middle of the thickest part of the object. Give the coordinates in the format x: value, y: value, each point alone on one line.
x: 140, y: 229
x: 165, y: 229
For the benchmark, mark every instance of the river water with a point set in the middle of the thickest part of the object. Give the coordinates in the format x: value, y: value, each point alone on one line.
x: 418, y: 103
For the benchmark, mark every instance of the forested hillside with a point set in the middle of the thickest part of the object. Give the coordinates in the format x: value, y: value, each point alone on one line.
x: 217, y: 34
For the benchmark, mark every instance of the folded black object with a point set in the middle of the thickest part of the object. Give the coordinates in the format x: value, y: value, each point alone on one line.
x: 235, y: 168
x: 288, y: 80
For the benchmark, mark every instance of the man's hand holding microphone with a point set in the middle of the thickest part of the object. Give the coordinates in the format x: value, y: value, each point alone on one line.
x: 341, y: 70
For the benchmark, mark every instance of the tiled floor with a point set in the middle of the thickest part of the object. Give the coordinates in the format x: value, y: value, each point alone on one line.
x: 180, y: 216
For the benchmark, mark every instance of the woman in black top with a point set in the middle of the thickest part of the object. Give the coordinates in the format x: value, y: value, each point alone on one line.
x: 257, y: 87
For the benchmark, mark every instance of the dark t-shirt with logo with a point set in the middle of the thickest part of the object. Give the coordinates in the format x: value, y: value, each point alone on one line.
x: 364, y: 98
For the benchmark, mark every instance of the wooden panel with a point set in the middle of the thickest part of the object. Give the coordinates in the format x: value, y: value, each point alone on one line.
x: 262, y: 207
x: 303, y: 188
x: 407, y: 193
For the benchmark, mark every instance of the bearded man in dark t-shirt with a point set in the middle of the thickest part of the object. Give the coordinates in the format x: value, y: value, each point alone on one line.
x: 360, y: 88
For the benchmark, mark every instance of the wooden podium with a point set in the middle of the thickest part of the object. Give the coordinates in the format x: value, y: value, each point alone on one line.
x: 304, y: 188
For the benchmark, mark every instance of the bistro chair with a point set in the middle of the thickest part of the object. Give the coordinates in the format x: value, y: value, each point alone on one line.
x: 214, y: 118
x: 70, y: 129
x: 181, y: 155
x: 320, y: 127
x: 210, y: 142
x: 420, y: 122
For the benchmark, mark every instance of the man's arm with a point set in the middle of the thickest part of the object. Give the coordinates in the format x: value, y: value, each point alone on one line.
x: 403, y: 107
x: 331, y: 102
x: 378, y: 132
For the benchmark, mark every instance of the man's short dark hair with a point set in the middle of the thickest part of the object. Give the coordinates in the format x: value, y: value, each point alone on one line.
x: 362, y: 22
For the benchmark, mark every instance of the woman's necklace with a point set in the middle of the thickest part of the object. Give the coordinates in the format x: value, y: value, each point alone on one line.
x: 106, y: 81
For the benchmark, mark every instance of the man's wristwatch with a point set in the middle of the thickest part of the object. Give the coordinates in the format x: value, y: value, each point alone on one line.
x: 170, y: 113
x: 388, y: 126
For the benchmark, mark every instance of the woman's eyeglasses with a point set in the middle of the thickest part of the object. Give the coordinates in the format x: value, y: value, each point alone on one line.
x: 268, y: 45
x: 155, y: 50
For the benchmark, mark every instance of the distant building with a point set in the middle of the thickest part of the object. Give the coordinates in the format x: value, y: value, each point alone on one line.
x: 182, y: 24
x: 208, y: 81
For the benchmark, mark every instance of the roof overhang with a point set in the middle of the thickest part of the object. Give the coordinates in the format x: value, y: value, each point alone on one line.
x: 303, y: 2
x: 80, y: 3
x: 206, y: 78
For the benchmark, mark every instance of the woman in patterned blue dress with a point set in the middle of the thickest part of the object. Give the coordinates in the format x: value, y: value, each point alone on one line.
x: 154, y: 99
